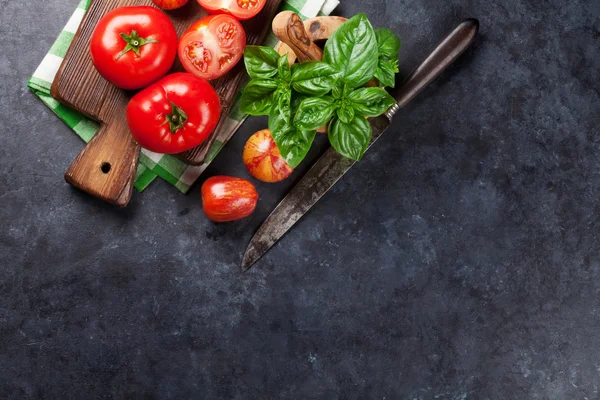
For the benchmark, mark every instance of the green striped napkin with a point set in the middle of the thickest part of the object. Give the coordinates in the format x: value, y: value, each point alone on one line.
x: 171, y: 169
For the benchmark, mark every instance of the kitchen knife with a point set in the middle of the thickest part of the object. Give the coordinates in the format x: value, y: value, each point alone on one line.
x: 332, y: 166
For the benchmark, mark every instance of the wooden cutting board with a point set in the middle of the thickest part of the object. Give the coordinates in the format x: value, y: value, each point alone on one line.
x: 106, y: 167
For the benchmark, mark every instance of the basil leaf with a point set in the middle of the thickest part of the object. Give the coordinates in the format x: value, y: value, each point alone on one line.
x: 386, y: 72
x: 314, y: 77
x: 371, y: 102
x: 338, y: 90
x: 282, y: 99
x: 278, y: 126
x: 261, y: 62
x: 352, y: 49
x: 257, y: 97
x: 388, y: 43
x: 314, y: 112
x: 297, y: 98
x: 293, y: 143
x: 283, y: 66
x: 345, y: 113
x: 350, y: 139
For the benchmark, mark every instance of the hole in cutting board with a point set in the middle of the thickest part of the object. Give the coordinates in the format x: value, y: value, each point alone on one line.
x: 105, y: 168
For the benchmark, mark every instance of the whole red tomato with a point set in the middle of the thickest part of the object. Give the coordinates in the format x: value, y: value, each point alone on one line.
x: 212, y: 46
x: 175, y: 114
x: 225, y: 198
x: 134, y: 46
x: 263, y: 159
x: 241, y: 9
x: 170, y: 4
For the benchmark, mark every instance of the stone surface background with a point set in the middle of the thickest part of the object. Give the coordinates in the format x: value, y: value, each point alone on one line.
x: 459, y: 260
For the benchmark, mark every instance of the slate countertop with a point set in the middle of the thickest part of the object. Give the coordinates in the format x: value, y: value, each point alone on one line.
x: 459, y: 260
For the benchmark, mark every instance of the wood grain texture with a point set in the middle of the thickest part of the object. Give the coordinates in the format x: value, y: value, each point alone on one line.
x: 289, y: 28
x: 80, y: 86
x: 106, y: 167
x: 318, y: 28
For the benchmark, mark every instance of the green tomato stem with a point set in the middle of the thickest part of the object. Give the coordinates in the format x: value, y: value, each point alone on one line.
x: 134, y: 43
x: 176, y: 119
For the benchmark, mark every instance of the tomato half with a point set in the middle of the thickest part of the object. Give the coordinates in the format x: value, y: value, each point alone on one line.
x: 170, y: 4
x: 212, y: 46
x: 175, y: 114
x: 241, y: 9
x: 132, y: 47
x: 225, y: 198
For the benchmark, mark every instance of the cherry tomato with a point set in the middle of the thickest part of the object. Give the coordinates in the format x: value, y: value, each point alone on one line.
x: 170, y: 4
x: 175, y: 114
x: 241, y: 9
x: 225, y: 198
x: 132, y: 47
x: 212, y: 46
x: 263, y: 160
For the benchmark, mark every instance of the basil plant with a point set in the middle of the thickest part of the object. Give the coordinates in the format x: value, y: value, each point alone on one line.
x: 301, y: 98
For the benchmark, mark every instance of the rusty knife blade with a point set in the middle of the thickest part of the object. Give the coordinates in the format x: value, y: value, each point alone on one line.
x: 332, y: 166
x: 317, y: 181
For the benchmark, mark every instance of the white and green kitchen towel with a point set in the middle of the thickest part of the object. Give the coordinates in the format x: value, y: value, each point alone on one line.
x: 171, y: 169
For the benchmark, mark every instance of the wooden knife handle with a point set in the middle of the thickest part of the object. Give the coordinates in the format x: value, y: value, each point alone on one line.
x: 289, y: 28
x: 106, y: 167
x: 455, y: 44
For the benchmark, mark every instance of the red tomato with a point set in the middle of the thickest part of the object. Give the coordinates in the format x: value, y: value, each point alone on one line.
x: 212, y: 46
x: 225, y: 198
x: 263, y: 159
x: 134, y: 46
x: 241, y: 9
x: 175, y: 114
x: 170, y: 4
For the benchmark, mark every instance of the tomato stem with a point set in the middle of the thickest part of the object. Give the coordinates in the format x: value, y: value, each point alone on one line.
x: 134, y: 43
x: 176, y: 119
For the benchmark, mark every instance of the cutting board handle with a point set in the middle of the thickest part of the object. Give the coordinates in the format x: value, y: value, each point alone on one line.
x: 106, y: 167
x: 289, y: 28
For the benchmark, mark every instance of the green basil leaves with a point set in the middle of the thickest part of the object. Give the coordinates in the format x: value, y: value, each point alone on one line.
x: 305, y: 97
x: 388, y: 46
x: 386, y: 72
x: 352, y: 50
x: 293, y: 143
x: 370, y: 102
x: 314, y: 112
x: 350, y: 139
x: 284, y: 69
x: 314, y: 78
x: 261, y: 62
x: 257, y: 98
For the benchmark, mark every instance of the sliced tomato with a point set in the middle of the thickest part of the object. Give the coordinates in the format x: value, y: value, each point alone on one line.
x: 170, y: 4
x: 241, y: 9
x: 212, y: 46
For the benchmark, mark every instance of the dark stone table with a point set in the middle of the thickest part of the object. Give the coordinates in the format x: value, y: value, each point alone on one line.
x: 459, y: 260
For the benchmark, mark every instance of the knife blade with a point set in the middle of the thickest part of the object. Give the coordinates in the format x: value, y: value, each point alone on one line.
x: 332, y: 166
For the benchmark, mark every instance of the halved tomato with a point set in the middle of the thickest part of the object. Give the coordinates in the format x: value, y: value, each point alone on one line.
x: 241, y: 9
x: 212, y: 46
x: 170, y: 4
